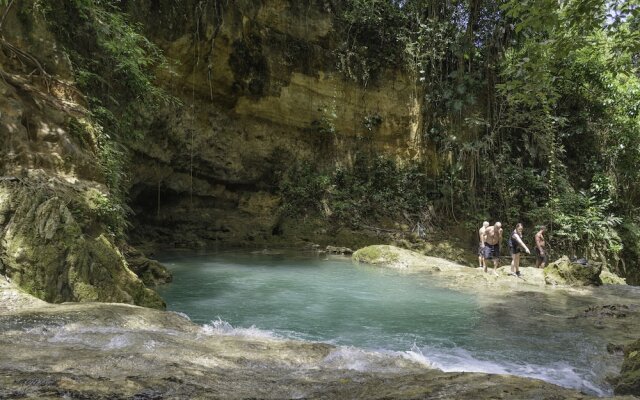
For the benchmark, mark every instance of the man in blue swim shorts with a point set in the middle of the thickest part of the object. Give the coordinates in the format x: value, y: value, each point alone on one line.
x: 492, y: 240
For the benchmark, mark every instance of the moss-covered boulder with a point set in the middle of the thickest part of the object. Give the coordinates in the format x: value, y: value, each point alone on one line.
x: 609, y: 278
x: 54, y: 246
x: 629, y: 380
x: 381, y: 254
x: 396, y: 257
x: 564, y: 272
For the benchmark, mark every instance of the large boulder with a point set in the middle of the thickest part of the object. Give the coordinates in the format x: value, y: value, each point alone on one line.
x: 610, y: 278
x: 396, y: 257
x: 629, y: 380
x: 568, y: 273
x: 55, y: 246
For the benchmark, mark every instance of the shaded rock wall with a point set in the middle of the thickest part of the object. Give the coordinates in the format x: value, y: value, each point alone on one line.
x: 53, y: 240
x: 260, y: 90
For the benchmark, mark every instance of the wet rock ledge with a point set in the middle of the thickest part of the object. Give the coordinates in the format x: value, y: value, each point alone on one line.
x: 118, y: 351
x: 561, y: 273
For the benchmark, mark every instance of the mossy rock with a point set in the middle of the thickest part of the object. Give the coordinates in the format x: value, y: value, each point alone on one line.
x: 380, y: 254
x: 563, y: 272
x: 449, y: 250
x: 151, y: 272
x: 609, y: 278
x: 47, y: 248
x: 629, y: 380
x: 396, y: 257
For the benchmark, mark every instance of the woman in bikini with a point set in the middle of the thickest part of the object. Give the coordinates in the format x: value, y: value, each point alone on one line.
x: 516, y: 245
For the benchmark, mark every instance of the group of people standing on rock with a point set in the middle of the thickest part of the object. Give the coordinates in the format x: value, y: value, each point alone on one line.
x: 491, y: 238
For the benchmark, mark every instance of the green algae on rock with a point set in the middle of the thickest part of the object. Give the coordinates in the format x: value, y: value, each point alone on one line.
x: 609, y: 278
x: 56, y: 249
x: 396, y: 257
x: 629, y: 380
x: 565, y: 272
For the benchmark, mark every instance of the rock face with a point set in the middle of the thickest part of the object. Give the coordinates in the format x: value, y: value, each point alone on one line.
x: 629, y: 380
x: 609, y: 278
x: 54, y: 241
x: 151, y: 272
x: 565, y: 272
x: 260, y: 90
x: 48, y: 250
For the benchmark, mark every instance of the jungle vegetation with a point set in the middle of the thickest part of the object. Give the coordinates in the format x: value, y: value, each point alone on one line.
x: 530, y: 111
x: 530, y: 107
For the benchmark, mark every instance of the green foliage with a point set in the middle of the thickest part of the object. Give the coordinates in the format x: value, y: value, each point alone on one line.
x: 302, y: 188
x: 113, y: 213
x: 114, y: 62
x: 566, y: 116
x: 326, y: 124
x: 630, y: 256
x: 374, y: 189
x: 371, y: 41
x: 584, y: 226
x: 114, y: 67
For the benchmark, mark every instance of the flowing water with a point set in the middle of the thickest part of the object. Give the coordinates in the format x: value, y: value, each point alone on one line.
x: 369, y: 310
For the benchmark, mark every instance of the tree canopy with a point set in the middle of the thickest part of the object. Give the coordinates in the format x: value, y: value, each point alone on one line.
x: 530, y: 107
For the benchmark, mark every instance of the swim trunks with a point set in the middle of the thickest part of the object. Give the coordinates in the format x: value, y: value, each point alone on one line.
x: 541, y: 257
x: 491, y: 251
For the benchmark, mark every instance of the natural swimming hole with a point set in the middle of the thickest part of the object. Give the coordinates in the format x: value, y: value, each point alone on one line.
x: 360, y: 307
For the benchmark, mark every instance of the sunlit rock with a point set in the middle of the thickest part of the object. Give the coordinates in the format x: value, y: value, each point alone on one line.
x: 94, y: 350
x: 610, y: 278
x: 568, y: 273
x: 396, y: 257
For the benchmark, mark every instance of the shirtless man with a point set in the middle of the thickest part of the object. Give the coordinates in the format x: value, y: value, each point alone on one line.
x: 541, y: 254
x: 492, y: 239
x: 481, y: 260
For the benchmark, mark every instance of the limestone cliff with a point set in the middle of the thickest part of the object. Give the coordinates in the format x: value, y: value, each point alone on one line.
x: 260, y: 90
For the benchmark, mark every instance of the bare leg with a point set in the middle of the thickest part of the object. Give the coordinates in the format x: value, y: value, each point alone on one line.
x: 516, y: 259
x: 543, y: 262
